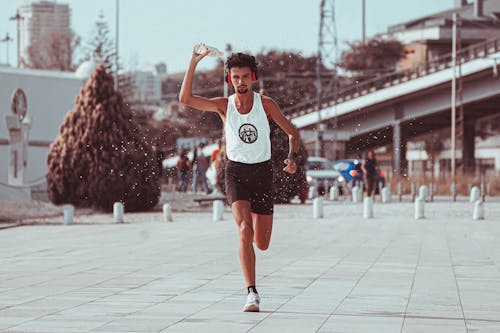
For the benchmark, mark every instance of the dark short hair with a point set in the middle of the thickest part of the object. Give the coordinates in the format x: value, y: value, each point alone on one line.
x: 241, y: 60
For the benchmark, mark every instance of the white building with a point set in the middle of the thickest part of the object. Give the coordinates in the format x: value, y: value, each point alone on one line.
x: 487, y: 158
x: 146, y: 86
x: 40, y: 19
x: 50, y: 95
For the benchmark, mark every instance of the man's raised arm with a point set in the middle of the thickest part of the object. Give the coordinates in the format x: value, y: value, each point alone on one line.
x: 186, y: 95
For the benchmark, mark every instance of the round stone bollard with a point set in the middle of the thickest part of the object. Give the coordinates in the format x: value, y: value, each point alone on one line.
x: 423, y: 193
x: 68, y: 211
x: 218, y: 210
x: 386, y: 195
x: 118, y: 212
x: 368, y: 208
x: 475, y: 194
x: 167, y: 213
x: 312, y: 192
x: 356, y: 194
x: 478, y: 213
x: 419, y: 209
x: 334, y: 193
x: 318, y: 208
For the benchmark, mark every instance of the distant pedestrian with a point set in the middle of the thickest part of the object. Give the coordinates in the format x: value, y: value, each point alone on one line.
x: 200, y: 166
x: 215, y: 157
x: 370, y: 170
x: 160, y: 156
x: 183, y: 168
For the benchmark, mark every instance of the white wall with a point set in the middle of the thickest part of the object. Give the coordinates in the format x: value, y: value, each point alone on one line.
x: 50, y: 96
x: 147, y: 86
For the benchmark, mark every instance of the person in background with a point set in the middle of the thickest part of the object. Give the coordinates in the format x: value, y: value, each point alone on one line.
x: 200, y: 166
x: 215, y: 156
x: 370, y: 170
x: 183, y: 167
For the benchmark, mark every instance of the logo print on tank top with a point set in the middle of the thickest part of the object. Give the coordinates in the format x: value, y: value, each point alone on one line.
x: 248, y: 133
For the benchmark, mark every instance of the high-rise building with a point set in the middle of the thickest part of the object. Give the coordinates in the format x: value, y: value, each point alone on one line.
x: 40, y: 19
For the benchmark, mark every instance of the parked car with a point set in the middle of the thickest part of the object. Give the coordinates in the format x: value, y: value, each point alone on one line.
x: 352, y: 174
x: 320, y: 174
x: 346, y: 168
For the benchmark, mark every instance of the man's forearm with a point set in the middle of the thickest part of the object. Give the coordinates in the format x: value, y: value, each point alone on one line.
x: 294, y: 144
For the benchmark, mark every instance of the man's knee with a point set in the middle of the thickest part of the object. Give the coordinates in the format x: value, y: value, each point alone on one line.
x: 262, y: 245
x: 246, y: 233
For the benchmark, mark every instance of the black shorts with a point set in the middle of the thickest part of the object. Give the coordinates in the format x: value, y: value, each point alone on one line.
x: 251, y: 182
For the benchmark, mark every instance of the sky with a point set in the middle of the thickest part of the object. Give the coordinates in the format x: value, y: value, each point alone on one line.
x: 153, y: 31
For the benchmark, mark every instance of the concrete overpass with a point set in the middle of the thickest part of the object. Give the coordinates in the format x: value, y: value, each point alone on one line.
x: 397, y: 107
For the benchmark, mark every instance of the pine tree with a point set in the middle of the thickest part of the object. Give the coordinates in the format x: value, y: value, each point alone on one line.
x: 98, y: 157
x: 101, y: 46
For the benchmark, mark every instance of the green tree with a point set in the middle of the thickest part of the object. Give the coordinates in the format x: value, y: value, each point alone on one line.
x: 101, y: 47
x: 375, y: 56
x: 99, y: 158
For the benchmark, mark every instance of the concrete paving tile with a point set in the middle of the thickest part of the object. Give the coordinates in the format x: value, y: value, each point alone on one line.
x: 373, y: 305
x: 294, y: 323
x: 483, y: 326
x: 58, y: 324
x: 425, y: 325
x: 8, y: 321
x: 361, y: 324
x: 197, y: 325
x: 28, y: 312
x: 137, y: 324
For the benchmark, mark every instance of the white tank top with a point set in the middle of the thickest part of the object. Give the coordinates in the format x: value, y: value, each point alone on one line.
x: 247, y: 135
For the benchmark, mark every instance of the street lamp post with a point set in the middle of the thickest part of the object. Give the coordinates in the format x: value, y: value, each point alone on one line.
x: 363, y: 24
x: 18, y: 18
x: 319, y: 129
x: 117, y: 35
x: 7, y: 39
x: 229, y: 49
x: 453, y: 100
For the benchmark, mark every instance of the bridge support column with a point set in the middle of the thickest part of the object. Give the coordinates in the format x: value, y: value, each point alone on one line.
x: 468, y: 146
x: 400, y: 164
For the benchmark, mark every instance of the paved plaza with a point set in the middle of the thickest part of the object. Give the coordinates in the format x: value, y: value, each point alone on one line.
x: 341, y: 273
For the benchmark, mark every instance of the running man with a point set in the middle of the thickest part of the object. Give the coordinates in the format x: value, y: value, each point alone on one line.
x: 249, y: 173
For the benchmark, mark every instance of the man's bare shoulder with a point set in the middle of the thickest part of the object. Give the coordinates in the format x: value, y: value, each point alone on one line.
x: 268, y: 102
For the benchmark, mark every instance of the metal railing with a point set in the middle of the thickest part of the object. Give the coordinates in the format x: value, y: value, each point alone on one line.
x: 473, y: 52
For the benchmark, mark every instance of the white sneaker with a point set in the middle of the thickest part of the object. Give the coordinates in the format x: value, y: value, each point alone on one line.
x: 252, y: 304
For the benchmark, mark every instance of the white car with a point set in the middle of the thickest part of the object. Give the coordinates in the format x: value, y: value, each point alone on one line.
x: 320, y: 174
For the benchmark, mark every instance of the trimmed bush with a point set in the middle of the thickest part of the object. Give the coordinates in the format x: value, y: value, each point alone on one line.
x: 98, y: 157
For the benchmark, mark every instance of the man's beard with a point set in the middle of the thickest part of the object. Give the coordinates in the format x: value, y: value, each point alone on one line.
x: 243, y: 90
